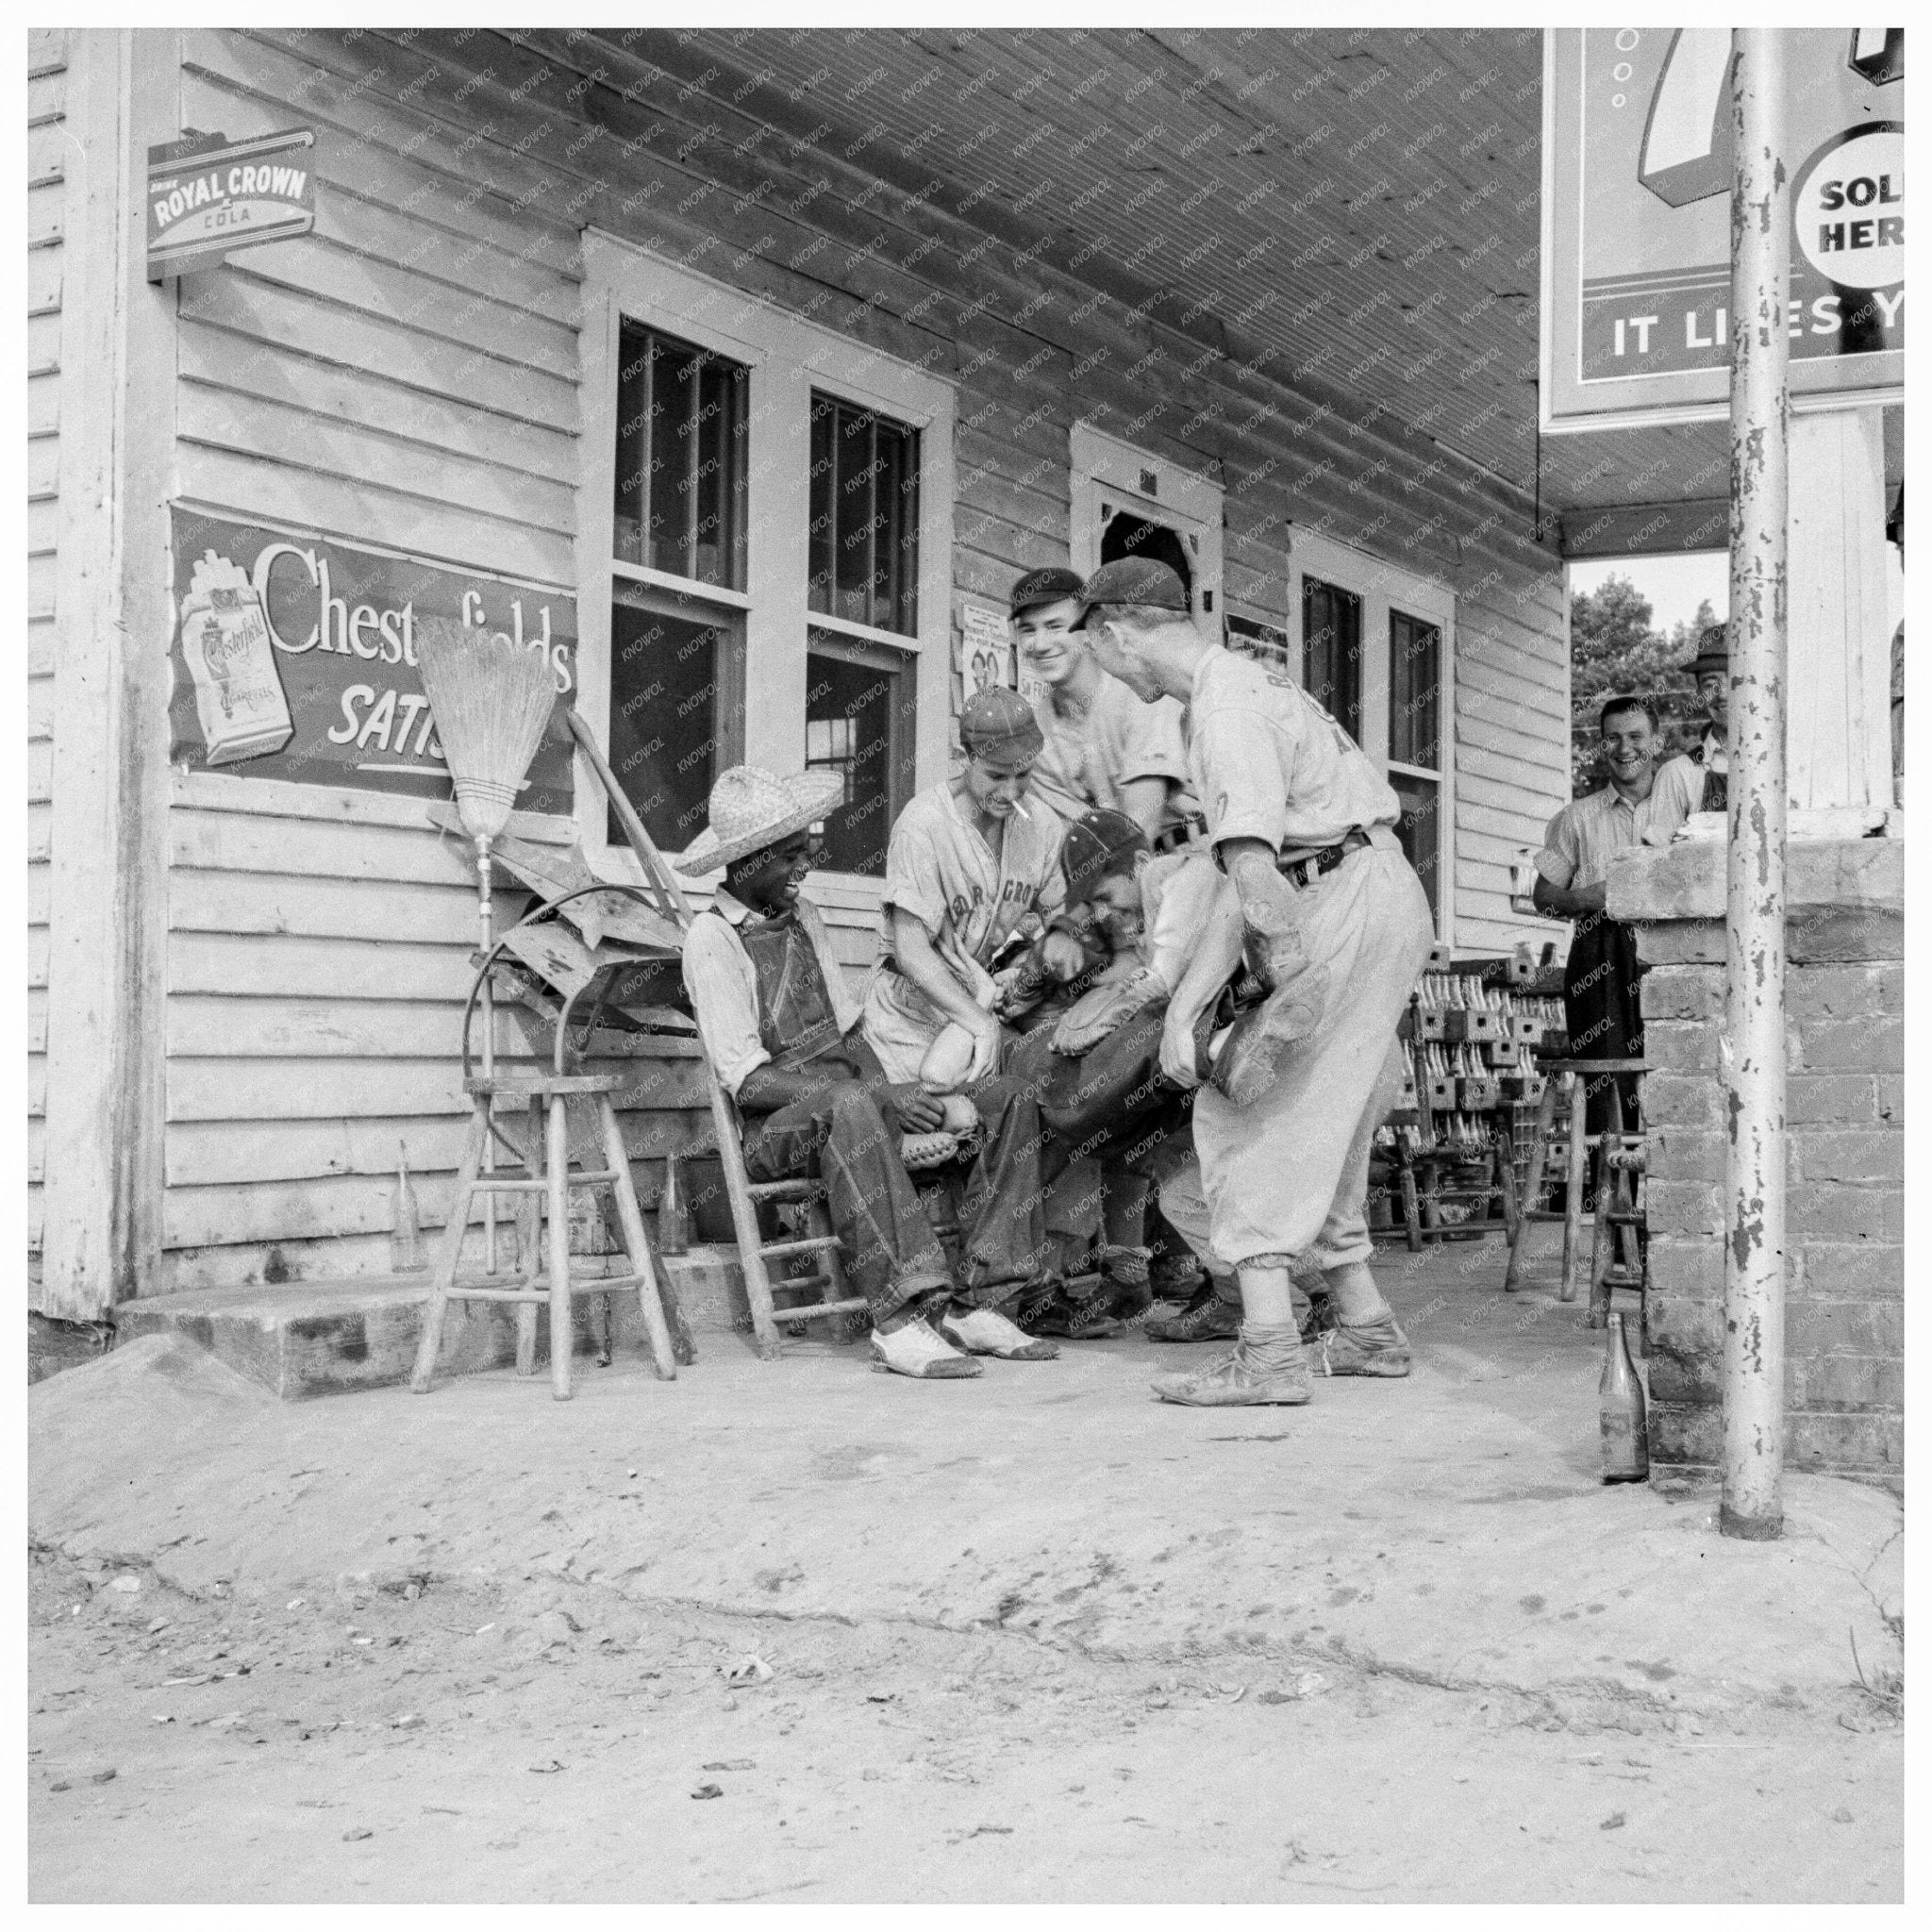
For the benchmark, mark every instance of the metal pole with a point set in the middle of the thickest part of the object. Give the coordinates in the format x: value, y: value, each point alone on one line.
x: 1753, y: 1046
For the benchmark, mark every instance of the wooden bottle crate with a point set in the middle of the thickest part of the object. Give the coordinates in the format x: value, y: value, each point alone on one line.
x: 1501, y: 1053
x: 1471, y: 1022
x: 1474, y: 1096
x: 1432, y: 1019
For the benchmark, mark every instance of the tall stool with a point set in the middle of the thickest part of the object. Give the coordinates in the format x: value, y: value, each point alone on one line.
x: 1568, y: 1081
x: 545, y: 1179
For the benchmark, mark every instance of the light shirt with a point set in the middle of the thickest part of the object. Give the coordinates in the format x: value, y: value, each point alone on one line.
x: 1581, y: 837
x: 1091, y: 754
x: 1268, y: 762
x: 723, y: 985
x: 941, y: 870
x: 1676, y: 793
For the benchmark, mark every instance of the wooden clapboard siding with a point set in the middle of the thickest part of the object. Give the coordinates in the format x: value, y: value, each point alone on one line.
x: 408, y: 374
x: 46, y: 222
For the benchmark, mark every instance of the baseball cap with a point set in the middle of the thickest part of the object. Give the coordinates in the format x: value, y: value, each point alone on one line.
x: 1043, y: 587
x: 1099, y: 844
x: 1136, y: 580
x: 998, y: 723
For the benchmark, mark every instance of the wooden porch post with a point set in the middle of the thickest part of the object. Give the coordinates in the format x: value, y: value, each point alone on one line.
x: 108, y: 910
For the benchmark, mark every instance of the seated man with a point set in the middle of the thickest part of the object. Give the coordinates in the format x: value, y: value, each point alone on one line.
x: 969, y: 866
x: 785, y: 1040
x: 1161, y: 939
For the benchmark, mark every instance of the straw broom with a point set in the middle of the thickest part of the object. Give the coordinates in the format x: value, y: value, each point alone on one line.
x: 491, y: 702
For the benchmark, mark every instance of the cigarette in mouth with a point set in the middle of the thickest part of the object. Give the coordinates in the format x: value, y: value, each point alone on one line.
x: 1022, y: 812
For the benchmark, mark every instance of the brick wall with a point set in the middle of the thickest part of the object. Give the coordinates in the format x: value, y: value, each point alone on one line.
x: 1845, y: 1323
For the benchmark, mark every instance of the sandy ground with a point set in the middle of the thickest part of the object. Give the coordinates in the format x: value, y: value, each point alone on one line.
x: 794, y: 1631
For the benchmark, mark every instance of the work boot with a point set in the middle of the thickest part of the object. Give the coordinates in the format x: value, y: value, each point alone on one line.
x: 1081, y: 1314
x: 1268, y: 1365
x: 1364, y: 1348
x: 1124, y: 1274
x: 1244, y: 1066
x: 1206, y: 1318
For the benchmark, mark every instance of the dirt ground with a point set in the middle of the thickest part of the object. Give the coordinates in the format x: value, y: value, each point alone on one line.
x: 465, y: 1746
x: 792, y: 1632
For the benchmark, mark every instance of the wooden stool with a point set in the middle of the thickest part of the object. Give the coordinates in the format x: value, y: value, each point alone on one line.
x: 1567, y: 1079
x: 546, y: 1180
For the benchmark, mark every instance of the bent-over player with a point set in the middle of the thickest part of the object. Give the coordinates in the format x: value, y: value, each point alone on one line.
x: 1337, y: 928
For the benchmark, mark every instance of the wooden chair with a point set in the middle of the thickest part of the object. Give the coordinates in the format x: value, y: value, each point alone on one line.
x: 744, y: 1194
x: 1619, y: 1218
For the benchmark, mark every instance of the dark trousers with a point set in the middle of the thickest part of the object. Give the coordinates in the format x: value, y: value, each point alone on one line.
x: 847, y: 1135
x: 1602, y: 1010
x: 1110, y: 1104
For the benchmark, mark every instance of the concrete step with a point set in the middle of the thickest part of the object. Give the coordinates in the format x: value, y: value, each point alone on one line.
x: 300, y: 1339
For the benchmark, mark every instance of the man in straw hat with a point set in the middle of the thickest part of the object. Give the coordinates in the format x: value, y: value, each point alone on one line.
x: 785, y: 1039
x: 1336, y: 927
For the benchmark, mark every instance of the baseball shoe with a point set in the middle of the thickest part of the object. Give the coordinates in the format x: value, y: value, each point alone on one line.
x: 1267, y: 1365
x: 1206, y: 1318
x: 1364, y: 1348
x: 1083, y: 1315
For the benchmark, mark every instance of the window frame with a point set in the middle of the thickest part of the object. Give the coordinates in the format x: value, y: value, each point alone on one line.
x: 1383, y: 589
x: 1106, y: 471
x: 786, y: 357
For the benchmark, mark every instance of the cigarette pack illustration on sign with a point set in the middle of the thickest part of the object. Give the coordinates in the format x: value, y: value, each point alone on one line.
x: 224, y: 639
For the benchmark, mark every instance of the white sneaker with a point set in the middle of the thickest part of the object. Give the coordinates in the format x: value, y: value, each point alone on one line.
x: 986, y: 1331
x: 918, y: 1351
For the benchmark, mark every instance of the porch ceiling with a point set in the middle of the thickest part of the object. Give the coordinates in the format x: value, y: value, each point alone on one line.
x: 1352, y: 210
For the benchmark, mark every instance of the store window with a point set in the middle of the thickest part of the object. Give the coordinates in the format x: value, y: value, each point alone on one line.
x: 678, y: 533
x: 859, y: 722
x: 771, y: 582
x: 1332, y: 652
x: 1376, y: 649
x: 864, y: 556
x: 1415, y: 762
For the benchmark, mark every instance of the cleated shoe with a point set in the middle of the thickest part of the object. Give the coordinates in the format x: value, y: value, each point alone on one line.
x: 1364, y: 1348
x: 985, y: 1331
x: 1079, y: 1315
x: 1206, y: 1318
x: 1245, y: 1065
x: 1268, y: 1365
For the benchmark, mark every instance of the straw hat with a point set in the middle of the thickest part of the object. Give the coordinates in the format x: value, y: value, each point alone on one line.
x: 751, y: 807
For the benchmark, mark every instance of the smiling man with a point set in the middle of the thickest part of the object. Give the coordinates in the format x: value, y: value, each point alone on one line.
x: 1103, y: 747
x: 1600, y: 994
x: 784, y: 1038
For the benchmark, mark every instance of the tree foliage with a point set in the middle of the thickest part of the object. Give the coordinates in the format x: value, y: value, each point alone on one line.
x: 1616, y: 652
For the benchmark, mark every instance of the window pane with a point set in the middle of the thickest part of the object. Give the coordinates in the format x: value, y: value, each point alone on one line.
x: 1421, y: 832
x: 864, y: 505
x: 860, y: 723
x: 818, y: 591
x: 674, y: 711
x: 1415, y: 659
x: 1332, y: 652
x: 680, y: 459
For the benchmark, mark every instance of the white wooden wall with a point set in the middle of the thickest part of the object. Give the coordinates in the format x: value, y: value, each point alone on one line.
x: 46, y: 213
x: 408, y: 376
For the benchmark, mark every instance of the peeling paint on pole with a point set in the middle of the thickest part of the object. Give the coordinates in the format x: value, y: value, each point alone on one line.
x: 1753, y: 1032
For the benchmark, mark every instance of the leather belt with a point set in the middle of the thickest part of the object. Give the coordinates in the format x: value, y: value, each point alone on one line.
x: 1306, y: 870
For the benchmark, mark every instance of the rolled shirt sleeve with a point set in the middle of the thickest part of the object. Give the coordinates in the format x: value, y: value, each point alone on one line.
x: 1562, y: 850
x: 723, y: 994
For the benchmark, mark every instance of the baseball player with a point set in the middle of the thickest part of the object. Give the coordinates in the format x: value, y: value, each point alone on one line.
x: 1336, y: 926
x: 1104, y: 747
x: 970, y: 865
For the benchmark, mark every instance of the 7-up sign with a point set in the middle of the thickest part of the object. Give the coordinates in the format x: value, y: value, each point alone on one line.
x: 208, y: 195
x: 1637, y: 179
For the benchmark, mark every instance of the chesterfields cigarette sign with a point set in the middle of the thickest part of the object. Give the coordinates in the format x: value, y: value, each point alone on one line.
x: 295, y: 658
x: 207, y: 196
